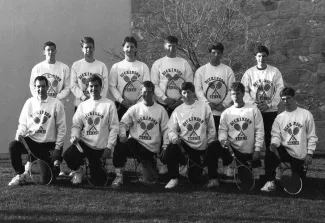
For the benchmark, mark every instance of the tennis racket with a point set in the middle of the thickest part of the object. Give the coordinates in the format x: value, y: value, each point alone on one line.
x: 265, y: 92
x: 243, y: 175
x: 132, y: 89
x: 173, y: 86
x: 290, y: 180
x: 216, y: 92
x: 40, y: 171
x: 103, y: 175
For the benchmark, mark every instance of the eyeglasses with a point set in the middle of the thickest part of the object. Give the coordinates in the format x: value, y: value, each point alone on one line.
x: 286, y: 98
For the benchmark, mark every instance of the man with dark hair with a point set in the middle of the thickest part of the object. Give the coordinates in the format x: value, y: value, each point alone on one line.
x: 147, y: 123
x: 168, y: 73
x: 126, y: 77
x: 95, y: 127
x: 42, y: 124
x: 241, y: 128
x: 263, y: 84
x: 82, y: 69
x: 212, y: 81
x: 293, y: 136
x: 191, y: 125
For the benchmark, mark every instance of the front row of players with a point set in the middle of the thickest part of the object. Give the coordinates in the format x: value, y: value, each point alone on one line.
x: 190, y: 130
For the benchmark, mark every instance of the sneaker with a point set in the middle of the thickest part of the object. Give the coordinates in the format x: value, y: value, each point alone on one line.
x: 20, y: 179
x: 229, y: 171
x: 171, y: 184
x: 256, y: 173
x: 148, y: 182
x: 77, y: 178
x: 163, y: 169
x: 278, y: 173
x: 183, y: 170
x: 269, y: 186
x: 118, y: 181
x: 62, y: 174
x: 71, y: 174
x: 56, y: 168
x: 28, y: 167
x: 212, y: 183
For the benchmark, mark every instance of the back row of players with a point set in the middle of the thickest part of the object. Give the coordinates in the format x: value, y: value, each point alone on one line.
x: 242, y: 119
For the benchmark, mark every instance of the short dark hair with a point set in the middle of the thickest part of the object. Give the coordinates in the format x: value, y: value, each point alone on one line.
x: 217, y: 46
x: 171, y: 39
x: 148, y: 84
x: 287, y: 91
x: 130, y: 39
x: 187, y: 86
x: 49, y: 43
x: 237, y: 87
x: 41, y: 78
x: 95, y: 77
x: 87, y: 40
x: 261, y: 49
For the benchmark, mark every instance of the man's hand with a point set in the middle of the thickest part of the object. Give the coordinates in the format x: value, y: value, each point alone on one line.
x: 308, y: 159
x: 74, y: 140
x: 123, y: 139
x: 212, y: 106
x: 170, y: 102
x: 19, y: 138
x: 219, y: 107
x: 256, y: 155
x: 175, y: 140
x: 107, y: 153
x: 56, y: 154
x: 262, y: 106
x: 162, y: 154
x: 176, y: 104
x: 126, y: 103
x: 224, y: 143
x: 272, y: 147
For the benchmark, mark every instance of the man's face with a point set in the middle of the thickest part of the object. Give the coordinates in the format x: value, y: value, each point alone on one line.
x: 94, y: 89
x: 147, y: 93
x: 129, y: 49
x: 170, y: 48
x: 237, y: 96
x: 288, y: 101
x: 215, y: 55
x: 187, y: 95
x: 41, y: 88
x: 88, y: 49
x: 49, y: 52
x: 261, y: 58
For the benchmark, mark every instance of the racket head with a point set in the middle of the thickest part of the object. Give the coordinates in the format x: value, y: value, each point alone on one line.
x: 37, y: 120
x: 174, y: 86
x: 41, y: 173
x: 150, y: 126
x: 189, y: 127
x: 97, y: 120
x: 55, y: 83
x: 90, y: 121
x: 291, y: 181
x: 134, y: 78
x: 237, y: 127
x: 197, y: 126
x: 295, y: 131
x: 216, y: 92
x: 244, y: 126
x: 44, y: 119
x: 244, y: 178
x: 132, y: 91
x: 99, y: 179
x: 143, y: 126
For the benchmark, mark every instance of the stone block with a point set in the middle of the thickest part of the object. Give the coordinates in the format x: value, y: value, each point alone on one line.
x: 306, y: 7
x: 259, y: 21
x: 293, y: 77
x: 317, y: 31
x: 288, y: 6
x: 296, y: 32
x: 269, y: 5
x: 316, y: 45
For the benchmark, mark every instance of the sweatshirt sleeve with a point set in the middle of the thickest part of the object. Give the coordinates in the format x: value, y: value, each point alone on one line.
x: 211, y: 129
x: 146, y: 73
x: 223, y: 127
x: 231, y: 79
x: 74, y: 87
x: 173, y: 127
x: 66, y: 85
x: 164, y: 128
x: 276, y: 137
x: 105, y: 81
x: 188, y: 72
x: 198, y: 83
x: 155, y: 79
x: 113, y: 127
x: 77, y: 123
x: 31, y: 81
x: 22, y: 126
x: 60, y: 122
x: 126, y: 121
x: 113, y: 82
x: 279, y: 86
x: 310, y: 134
x: 247, y: 83
x: 258, y: 130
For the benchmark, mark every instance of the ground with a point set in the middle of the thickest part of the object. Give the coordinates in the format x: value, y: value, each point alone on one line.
x: 135, y: 202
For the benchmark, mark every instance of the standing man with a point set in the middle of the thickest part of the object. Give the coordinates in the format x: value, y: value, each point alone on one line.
x: 293, y: 136
x: 241, y: 128
x: 212, y: 82
x: 42, y: 124
x: 168, y: 73
x: 263, y: 84
x: 126, y: 77
x: 56, y: 72
x: 147, y: 123
x: 82, y: 69
x: 95, y: 126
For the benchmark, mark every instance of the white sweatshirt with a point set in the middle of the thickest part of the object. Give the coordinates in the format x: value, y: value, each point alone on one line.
x: 58, y: 76
x: 147, y: 124
x: 207, y: 74
x: 296, y: 132
x: 172, y: 66
x: 43, y: 120
x: 243, y: 128
x: 96, y: 123
x: 254, y: 77
x: 80, y: 72
x: 193, y: 124
x: 124, y: 68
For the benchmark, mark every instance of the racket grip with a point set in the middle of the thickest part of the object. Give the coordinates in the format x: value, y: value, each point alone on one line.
x: 79, y: 147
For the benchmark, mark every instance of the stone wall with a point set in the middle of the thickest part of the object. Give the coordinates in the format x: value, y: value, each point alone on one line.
x: 295, y: 31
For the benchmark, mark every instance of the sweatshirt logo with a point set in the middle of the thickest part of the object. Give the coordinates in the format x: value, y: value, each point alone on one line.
x: 241, y: 129
x: 145, y: 135
x: 193, y: 129
x: 293, y: 129
x: 265, y: 90
x: 93, y: 123
x: 40, y: 118
x: 53, y: 81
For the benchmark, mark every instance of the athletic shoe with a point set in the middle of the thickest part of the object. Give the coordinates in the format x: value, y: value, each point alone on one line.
x: 256, y: 173
x: 163, y: 169
x: 212, y: 183
x: 62, y: 174
x: 71, y: 174
x: 171, y: 184
x: 56, y: 168
x: 278, y: 172
x: 183, y: 170
x: 19, y: 179
x: 118, y: 181
x: 77, y: 178
x: 229, y: 171
x: 269, y: 186
x: 148, y: 182
x: 28, y: 167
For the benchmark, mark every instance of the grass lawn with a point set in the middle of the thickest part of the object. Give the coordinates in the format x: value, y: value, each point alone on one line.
x: 135, y: 202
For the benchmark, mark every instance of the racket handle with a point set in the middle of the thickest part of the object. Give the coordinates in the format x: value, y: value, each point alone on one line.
x: 22, y: 140
x: 79, y: 147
